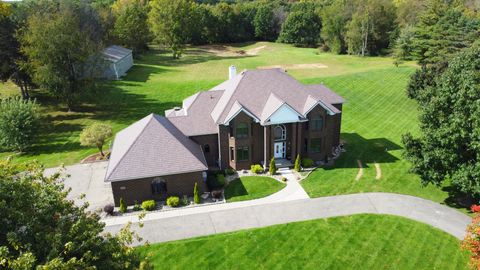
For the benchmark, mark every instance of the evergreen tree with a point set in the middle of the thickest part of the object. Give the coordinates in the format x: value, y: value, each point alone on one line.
x: 196, y: 194
x: 297, y: 166
x: 123, y: 206
x: 272, y: 169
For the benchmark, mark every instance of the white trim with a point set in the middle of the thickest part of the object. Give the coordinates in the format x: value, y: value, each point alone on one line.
x: 156, y: 175
x: 330, y: 112
x: 290, y: 107
x: 227, y: 121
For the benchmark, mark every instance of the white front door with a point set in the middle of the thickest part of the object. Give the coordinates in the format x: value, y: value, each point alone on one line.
x: 279, y: 150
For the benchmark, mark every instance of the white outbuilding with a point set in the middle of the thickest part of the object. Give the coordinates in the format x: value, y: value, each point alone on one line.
x: 119, y: 61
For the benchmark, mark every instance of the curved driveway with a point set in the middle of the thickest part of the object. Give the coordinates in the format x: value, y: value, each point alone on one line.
x: 230, y: 217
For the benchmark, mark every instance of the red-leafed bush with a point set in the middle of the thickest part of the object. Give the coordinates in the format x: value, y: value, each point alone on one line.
x: 475, y: 208
x: 472, y: 241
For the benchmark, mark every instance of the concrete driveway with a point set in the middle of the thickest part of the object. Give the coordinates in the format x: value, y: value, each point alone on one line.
x: 235, y: 216
x: 87, y: 179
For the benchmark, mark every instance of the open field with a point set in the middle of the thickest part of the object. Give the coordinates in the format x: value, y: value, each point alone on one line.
x: 354, y: 242
x: 251, y: 187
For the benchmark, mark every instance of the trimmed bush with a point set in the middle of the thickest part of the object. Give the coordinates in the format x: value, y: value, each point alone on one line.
x: 284, y: 179
x: 256, y: 168
x: 217, y: 194
x: 108, y: 209
x: 215, y: 180
x: 173, y: 201
x: 229, y: 171
x: 123, y: 206
x: 307, y: 162
x: 185, y: 200
x: 149, y: 205
x: 297, y: 167
x: 196, y: 194
x: 137, y: 207
x: 220, y: 180
x: 273, y: 168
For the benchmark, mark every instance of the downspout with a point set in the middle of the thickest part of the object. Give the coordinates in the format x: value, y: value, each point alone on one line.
x: 265, y: 147
x: 219, y: 149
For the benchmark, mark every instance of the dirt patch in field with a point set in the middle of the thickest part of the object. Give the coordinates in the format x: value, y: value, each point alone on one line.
x: 296, y: 66
x: 225, y: 50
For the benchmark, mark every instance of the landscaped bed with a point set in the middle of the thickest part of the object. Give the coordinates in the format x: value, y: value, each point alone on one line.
x: 251, y: 187
x: 353, y: 242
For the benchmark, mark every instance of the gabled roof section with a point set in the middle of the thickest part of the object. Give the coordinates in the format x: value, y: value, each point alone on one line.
x: 115, y: 53
x: 153, y: 147
x: 236, y: 109
x: 312, y: 102
x: 271, y: 105
x: 228, y: 87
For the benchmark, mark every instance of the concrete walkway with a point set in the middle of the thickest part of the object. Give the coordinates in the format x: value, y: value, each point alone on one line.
x: 209, y: 220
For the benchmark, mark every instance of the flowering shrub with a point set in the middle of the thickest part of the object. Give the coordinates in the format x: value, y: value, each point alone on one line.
x: 475, y: 208
x: 472, y: 241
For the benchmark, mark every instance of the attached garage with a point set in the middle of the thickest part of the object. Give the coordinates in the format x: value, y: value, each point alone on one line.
x: 152, y: 159
x: 119, y: 61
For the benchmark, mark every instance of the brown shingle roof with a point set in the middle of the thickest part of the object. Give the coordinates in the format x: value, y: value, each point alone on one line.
x: 153, y: 147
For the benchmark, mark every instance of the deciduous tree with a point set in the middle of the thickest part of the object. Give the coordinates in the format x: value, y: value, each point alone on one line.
x: 42, y: 229
x: 96, y: 135
x: 449, y: 144
x: 302, y: 27
x: 131, y: 26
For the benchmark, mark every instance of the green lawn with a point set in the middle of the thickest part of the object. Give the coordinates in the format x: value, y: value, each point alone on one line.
x: 374, y: 118
x: 353, y: 242
x: 251, y: 187
x: 157, y: 82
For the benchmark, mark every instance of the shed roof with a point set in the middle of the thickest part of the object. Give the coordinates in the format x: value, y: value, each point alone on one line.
x: 153, y: 147
x: 115, y: 53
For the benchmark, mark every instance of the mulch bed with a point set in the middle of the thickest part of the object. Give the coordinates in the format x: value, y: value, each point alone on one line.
x: 95, y: 158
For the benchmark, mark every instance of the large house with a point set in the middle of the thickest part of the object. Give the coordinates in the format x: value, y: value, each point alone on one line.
x: 253, y: 116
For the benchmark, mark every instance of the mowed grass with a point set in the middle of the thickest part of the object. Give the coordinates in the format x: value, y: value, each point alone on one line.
x: 353, y: 242
x: 374, y: 118
x: 251, y: 187
x: 157, y: 82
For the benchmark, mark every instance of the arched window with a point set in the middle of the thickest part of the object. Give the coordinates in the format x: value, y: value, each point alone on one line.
x: 280, y: 133
x: 206, y: 148
x: 241, y: 130
x: 159, y: 185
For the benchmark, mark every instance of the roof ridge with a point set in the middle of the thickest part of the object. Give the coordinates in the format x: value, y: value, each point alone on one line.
x: 152, y: 115
x: 243, y: 75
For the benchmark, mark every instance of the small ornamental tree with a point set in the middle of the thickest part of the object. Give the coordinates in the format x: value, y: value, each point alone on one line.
x: 96, y: 135
x: 19, y: 121
x: 297, y: 164
x: 123, y: 206
x: 471, y: 242
x: 196, y: 194
x: 273, y: 168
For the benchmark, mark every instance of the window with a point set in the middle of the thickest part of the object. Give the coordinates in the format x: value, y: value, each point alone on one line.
x: 280, y: 133
x: 158, y: 185
x: 242, y: 153
x: 315, y: 145
x: 241, y: 131
x: 232, y: 154
x: 206, y: 148
x: 317, y: 123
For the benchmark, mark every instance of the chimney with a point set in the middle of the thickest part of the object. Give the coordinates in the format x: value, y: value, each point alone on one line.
x: 232, y: 72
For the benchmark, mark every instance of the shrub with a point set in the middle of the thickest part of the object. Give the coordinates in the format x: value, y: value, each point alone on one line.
x: 215, y: 181
x: 123, y: 206
x: 136, y: 207
x: 173, y: 201
x: 108, y: 209
x: 19, y: 121
x: 149, y: 205
x: 475, y: 208
x: 185, y: 200
x: 256, y: 168
x: 196, y: 194
x: 284, y: 179
x: 296, y: 167
x: 217, y: 194
x: 273, y: 168
x: 307, y: 162
x: 229, y: 171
